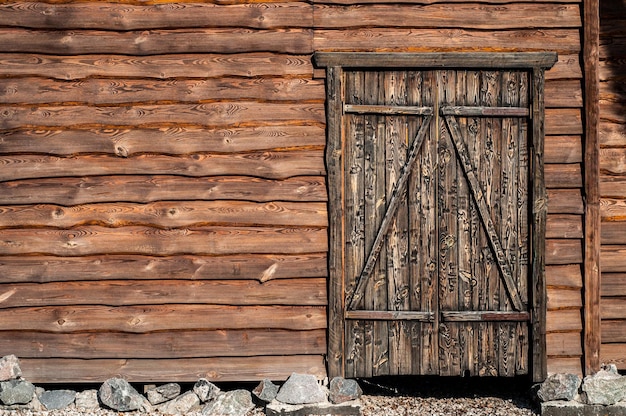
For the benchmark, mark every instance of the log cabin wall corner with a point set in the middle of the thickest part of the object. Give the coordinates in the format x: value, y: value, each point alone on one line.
x: 163, y: 201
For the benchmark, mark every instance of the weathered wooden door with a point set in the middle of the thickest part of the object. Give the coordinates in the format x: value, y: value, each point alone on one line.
x: 436, y: 253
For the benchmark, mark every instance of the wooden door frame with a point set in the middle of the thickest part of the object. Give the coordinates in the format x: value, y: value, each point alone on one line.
x: 335, y: 62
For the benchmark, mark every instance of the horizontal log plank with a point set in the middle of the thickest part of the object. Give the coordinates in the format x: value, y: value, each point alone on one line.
x: 563, y: 226
x: 420, y: 1
x: 174, y: 344
x: 260, y: 267
x: 613, y: 161
x: 613, y: 91
x: 613, y: 308
x: 613, y: 258
x: 612, y: 47
x: 141, y: 319
x: 269, y: 164
x: 118, y: 91
x: 155, y: 42
x: 564, y: 344
x: 614, y: 354
x: 563, y: 175
x: 563, y: 149
x: 159, y: 66
x: 564, y: 298
x: 613, y: 232
x: 612, y: 186
x: 612, y: 111
x: 567, y: 67
x: 563, y: 121
x: 563, y: 93
x: 484, y: 316
x: 167, y: 214
x: 46, y: 370
x: 207, y: 114
x: 122, y: 17
x: 74, y: 191
x: 611, y: 68
x: 299, y: 292
x: 90, y: 240
x: 469, y: 15
x: 613, y: 284
x: 564, y: 276
x: 563, y: 320
x: 565, y: 365
x: 166, y: 140
x: 401, y: 39
x: 565, y: 201
x: 613, y: 331
x: 564, y: 251
x: 611, y: 134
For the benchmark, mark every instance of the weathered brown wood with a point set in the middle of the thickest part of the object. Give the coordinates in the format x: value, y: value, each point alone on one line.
x: 117, y: 91
x: 387, y: 109
x: 563, y: 175
x: 564, y: 251
x: 569, y: 276
x: 563, y: 320
x: 611, y: 112
x: 89, y: 240
x: 470, y: 15
x: 159, y: 66
x: 612, y: 209
x: 564, y: 298
x: 612, y: 186
x: 613, y: 331
x: 564, y: 226
x: 612, y: 161
x: 175, y: 344
x: 150, y: 318
x: 569, y: 365
x: 491, y: 111
x: 123, y: 17
x: 391, y: 315
x: 482, y: 316
x: 207, y: 114
x: 611, y: 134
x: 563, y: 149
x: 613, y: 353
x: 158, y: 41
x: 563, y: 93
x: 60, y: 370
x: 166, y: 214
x: 420, y: 1
x: 567, y: 67
x: 563, y: 121
x: 142, y: 189
x: 269, y: 164
x: 613, y: 284
x: 401, y: 39
x: 564, y: 344
x: 613, y: 258
x: 612, y: 308
x: 613, y: 233
x: 42, y: 269
x: 123, y: 292
x: 565, y: 201
x: 167, y: 140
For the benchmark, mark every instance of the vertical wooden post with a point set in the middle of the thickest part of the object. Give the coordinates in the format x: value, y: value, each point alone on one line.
x: 591, y: 35
x: 334, y: 160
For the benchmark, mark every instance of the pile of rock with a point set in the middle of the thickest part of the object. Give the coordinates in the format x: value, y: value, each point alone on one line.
x: 300, y: 394
x: 603, y: 393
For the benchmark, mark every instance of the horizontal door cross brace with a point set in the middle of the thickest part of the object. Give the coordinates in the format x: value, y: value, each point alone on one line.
x: 446, y: 316
x: 391, y: 316
x: 468, y: 111
x: 387, y: 109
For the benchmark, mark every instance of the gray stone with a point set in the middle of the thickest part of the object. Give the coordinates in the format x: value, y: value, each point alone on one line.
x: 180, y: 405
x: 301, y: 389
x: 118, y: 394
x: 559, y: 386
x: 57, y: 399
x: 606, y: 387
x: 232, y: 403
x: 573, y: 408
x: 10, y: 368
x: 276, y: 408
x: 343, y: 390
x: 16, y: 392
x: 163, y: 393
x: 266, y: 391
x: 87, y: 400
x: 205, y: 390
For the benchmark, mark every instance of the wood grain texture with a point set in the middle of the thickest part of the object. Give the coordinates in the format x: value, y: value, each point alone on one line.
x: 154, y: 292
x: 613, y: 307
x: 613, y: 284
x: 155, y: 42
x: 563, y: 251
x: 142, y: 371
x: 261, y: 267
x: 151, y: 318
x: 157, y: 66
x: 216, y: 240
x: 565, y: 201
x: 613, y: 258
x: 564, y: 226
x: 570, y: 365
x: 613, y: 233
x: 175, y: 344
x: 613, y: 331
x: 569, y: 275
x: 142, y: 189
x: 613, y: 186
x: 563, y: 149
x: 563, y: 121
x: 565, y: 299
x: 614, y: 353
x: 564, y: 344
x: 563, y: 175
x: 564, y: 320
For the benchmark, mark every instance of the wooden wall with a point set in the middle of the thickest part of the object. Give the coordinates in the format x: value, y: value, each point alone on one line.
x: 162, y: 196
x: 612, y: 134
